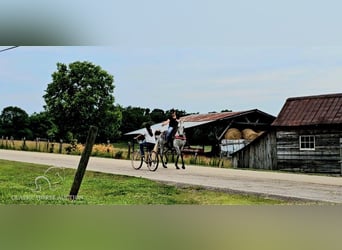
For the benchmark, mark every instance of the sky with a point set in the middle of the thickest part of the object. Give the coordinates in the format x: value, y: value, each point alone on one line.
x: 197, y: 56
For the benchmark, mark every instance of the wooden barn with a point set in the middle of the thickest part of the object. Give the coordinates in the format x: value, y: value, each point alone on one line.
x: 228, y: 127
x: 261, y: 153
x: 306, y: 136
x: 215, y: 128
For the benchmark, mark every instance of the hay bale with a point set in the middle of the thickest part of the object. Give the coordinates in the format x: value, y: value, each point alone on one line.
x: 233, y: 134
x: 249, y: 134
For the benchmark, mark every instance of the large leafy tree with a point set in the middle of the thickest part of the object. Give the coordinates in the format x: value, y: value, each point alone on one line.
x: 81, y: 95
x: 14, y: 122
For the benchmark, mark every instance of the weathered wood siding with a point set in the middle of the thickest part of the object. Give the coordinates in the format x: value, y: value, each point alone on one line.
x: 259, y: 154
x: 324, y: 159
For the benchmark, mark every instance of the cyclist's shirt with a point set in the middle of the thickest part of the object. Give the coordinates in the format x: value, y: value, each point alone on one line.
x: 149, y: 138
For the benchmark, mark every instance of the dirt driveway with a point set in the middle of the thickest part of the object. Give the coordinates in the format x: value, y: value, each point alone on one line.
x: 284, y: 185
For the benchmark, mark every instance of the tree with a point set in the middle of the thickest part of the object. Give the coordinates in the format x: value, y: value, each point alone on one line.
x: 133, y: 118
x: 79, y: 96
x: 180, y: 113
x: 158, y: 115
x: 15, y: 122
x: 42, y: 126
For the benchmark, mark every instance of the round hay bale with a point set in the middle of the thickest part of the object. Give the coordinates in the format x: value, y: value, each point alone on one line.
x: 233, y: 134
x: 249, y: 134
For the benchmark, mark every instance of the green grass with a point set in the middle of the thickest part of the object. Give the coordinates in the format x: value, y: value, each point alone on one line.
x: 17, y: 186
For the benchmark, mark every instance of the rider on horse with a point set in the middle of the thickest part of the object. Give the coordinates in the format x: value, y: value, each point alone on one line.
x: 172, y: 121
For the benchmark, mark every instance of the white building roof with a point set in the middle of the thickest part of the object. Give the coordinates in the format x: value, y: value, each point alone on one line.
x: 159, y: 126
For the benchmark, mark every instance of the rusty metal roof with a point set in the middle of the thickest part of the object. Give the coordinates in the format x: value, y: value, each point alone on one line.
x: 201, y: 119
x: 221, y: 116
x: 192, y: 121
x: 209, y: 116
x: 311, y: 110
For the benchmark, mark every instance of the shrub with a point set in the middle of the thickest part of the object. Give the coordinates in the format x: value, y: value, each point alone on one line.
x: 118, y: 155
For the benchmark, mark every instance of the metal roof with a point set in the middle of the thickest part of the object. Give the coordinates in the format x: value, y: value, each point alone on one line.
x: 210, y: 116
x: 159, y: 126
x: 200, y: 119
x: 311, y: 110
x: 222, y: 115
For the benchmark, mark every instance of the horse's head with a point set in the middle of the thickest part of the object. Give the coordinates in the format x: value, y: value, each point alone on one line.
x: 180, y: 129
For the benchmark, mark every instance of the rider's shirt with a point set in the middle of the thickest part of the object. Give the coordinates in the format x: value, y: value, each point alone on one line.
x: 173, y: 122
x: 149, y: 138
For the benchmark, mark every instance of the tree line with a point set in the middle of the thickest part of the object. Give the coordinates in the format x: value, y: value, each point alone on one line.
x: 79, y: 95
x: 16, y: 123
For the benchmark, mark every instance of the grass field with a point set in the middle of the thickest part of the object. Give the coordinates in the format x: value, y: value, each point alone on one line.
x: 26, y: 183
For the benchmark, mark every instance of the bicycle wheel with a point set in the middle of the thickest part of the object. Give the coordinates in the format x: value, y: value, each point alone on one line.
x: 153, y: 161
x: 136, y: 160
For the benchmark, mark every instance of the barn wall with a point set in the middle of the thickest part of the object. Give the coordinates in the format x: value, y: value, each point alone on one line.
x: 260, y: 154
x: 324, y: 159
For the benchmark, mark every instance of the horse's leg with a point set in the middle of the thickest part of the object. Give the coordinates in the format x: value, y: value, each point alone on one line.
x: 164, y: 159
x: 162, y: 151
x: 162, y: 155
x: 166, y: 155
x: 181, y: 153
x: 183, y: 166
x: 164, y: 162
x: 177, y: 149
x: 176, y: 163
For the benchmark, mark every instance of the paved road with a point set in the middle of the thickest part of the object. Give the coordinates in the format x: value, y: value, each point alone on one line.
x: 284, y: 185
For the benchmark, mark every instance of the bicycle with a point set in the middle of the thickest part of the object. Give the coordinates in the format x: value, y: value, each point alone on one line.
x: 150, y: 158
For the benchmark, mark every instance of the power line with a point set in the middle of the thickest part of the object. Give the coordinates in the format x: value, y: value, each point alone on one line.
x: 13, y: 47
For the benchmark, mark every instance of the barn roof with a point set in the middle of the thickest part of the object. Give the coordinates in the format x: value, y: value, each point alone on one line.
x: 159, y: 127
x: 221, y: 116
x: 201, y: 119
x: 190, y: 121
x: 311, y: 110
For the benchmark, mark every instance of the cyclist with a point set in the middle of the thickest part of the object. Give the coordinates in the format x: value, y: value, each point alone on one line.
x: 172, y: 121
x: 149, y: 140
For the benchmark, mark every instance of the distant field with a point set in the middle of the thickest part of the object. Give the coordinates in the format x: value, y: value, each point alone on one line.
x: 105, y: 150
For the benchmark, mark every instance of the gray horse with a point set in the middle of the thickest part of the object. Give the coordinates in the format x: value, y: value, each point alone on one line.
x: 178, y: 145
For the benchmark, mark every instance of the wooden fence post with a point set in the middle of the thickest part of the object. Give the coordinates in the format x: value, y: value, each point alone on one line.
x: 129, y: 150
x: 83, y: 162
x: 60, y: 146
x: 24, y: 144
